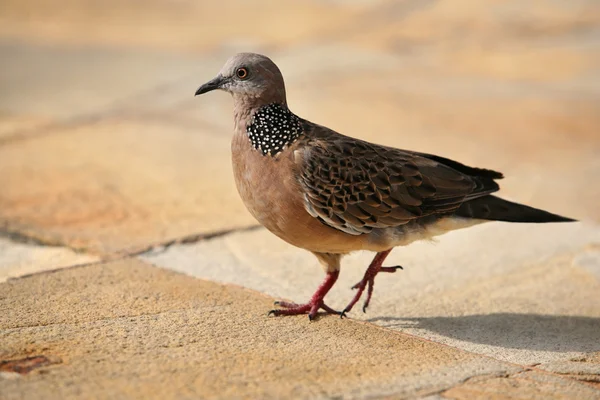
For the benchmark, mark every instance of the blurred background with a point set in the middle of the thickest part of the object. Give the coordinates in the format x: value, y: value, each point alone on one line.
x: 104, y: 148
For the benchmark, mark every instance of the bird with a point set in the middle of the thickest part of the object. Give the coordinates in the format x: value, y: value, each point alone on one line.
x: 332, y: 194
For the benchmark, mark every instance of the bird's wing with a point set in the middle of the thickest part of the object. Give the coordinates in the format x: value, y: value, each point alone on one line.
x: 355, y: 186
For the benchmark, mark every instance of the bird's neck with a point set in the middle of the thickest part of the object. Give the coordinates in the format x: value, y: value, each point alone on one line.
x: 245, y: 105
x: 270, y: 128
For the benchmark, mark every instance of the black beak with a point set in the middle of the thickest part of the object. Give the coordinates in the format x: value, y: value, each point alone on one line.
x: 210, y: 85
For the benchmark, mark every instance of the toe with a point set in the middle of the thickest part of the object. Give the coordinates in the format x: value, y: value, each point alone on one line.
x: 391, y: 269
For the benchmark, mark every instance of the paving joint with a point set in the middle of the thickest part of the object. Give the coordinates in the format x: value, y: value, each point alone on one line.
x: 156, y: 248
x: 19, y: 237
x: 477, y: 378
x: 592, y: 380
x: 161, y: 247
x: 514, y: 375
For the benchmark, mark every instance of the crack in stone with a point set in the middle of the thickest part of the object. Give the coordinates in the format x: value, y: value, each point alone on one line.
x: 482, y: 377
x: 19, y: 237
x: 515, y: 375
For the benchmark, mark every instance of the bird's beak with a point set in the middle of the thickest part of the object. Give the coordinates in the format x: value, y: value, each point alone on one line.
x: 210, y: 85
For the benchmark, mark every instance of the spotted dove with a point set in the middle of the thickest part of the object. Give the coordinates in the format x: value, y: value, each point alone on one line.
x: 333, y: 194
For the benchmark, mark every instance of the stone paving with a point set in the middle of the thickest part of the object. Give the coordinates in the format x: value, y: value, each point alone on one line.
x: 129, y: 268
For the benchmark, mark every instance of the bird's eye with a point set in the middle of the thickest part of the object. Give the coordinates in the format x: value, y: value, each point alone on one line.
x: 242, y: 73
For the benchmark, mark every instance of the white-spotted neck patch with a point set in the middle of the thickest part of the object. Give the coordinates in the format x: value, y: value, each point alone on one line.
x: 273, y: 128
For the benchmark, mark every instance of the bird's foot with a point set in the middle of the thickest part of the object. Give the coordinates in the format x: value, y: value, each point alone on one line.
x: 368, y: 281
x: 365, y: 282
x: 311, y: 308
x: 315, y: 304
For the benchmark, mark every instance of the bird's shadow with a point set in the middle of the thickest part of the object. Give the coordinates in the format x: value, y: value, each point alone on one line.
x: 557, y: 333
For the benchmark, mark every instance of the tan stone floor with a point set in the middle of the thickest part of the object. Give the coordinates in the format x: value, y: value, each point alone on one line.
x: 129, y: 268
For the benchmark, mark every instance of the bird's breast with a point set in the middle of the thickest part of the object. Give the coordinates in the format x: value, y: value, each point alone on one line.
x: 270, y: 191
x: 260, y: 181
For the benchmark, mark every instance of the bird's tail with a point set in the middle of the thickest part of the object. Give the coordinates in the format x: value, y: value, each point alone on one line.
x: 496, y: 209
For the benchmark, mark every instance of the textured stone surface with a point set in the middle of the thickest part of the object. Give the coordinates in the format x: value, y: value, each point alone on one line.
x: 104, y: 149
x: 13, y: 125
x: 18, y: 259
x: 585, y: 368
x: 119, y: 185
x: 528, y: 305
x: 183, y: 26
x: 525, y: 385
x: 67, y: 82
x: 47, y: 89
x: 128, y: 329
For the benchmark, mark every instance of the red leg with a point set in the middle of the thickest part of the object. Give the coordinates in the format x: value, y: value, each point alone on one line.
x: 369, y: 279
x: 316, y: 302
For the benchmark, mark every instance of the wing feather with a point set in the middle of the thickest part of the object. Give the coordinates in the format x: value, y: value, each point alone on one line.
x: 355, y: 186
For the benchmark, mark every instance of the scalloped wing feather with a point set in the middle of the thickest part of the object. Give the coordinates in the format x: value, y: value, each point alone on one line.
x: 355, y: 186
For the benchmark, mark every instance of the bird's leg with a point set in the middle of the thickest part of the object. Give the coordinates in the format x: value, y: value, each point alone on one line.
x: 369, y: 280
x: 316, y: 302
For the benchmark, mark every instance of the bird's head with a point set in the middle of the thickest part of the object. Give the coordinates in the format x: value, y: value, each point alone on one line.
x: 250, y: 78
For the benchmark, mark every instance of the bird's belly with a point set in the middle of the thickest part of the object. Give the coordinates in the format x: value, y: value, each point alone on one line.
x: 426, y: 228
x: 286, y: 217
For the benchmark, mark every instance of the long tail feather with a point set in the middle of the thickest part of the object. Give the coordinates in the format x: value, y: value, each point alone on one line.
x: 497, y: 209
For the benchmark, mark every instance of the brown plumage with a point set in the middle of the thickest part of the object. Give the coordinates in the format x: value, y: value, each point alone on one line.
x: 332, y: 194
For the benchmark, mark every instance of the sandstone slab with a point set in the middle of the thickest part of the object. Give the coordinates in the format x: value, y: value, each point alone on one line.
x: 585, y: 368
x: 186, y: 26
x: 127, y: 329
x: 64, y: 83
x: 513, y: 292
x: 524, y: 385
x: 18, y: 259
x: 13, y: 125
x: 128, y: 159
x: 119, y: 185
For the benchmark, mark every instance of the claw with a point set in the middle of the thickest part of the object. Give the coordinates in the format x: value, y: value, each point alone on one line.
x: 391, y: 269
